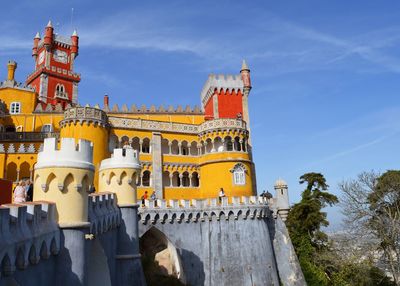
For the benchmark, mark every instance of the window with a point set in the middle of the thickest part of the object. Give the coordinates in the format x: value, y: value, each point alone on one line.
x: 15, y: 107
x: 239, y: 176
x: 47, y: 128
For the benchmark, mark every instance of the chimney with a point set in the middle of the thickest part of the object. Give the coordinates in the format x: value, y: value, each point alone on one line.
x: 12, y: 66
x: 106, y: 101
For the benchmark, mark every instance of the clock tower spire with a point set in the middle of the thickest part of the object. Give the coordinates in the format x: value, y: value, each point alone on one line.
x: 54, y: 78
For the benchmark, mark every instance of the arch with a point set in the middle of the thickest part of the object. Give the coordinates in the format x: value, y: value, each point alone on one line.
x: 112, y: 143
x: 123, y: 177
x: 54, y: 248
x: 24, y: 171
x: 176, y: 180
x: 209, y: 145
x: 164, y: 146
x: 175, y: 147
x: 218, y: 145
x: 20, y: 262
x: 86, y: 184
x: 162, y: 255
x: 6, y: 267
x: 194, y: 151
x: 228, y: 143
x: 237, y: 144
x: 244, y: 145
x: 239, y: 176
x: 185, y: 179
x: 12, y: 172
x: 185, y: 148
x: 195, y: 179
x: 146, y: 181
x: 33, y: 258
x: 146, y: 145
x: 123, y: 141
x: 166, y: 180
x: 203, y: 148
x: 136, y: 144
x: 68, y: 183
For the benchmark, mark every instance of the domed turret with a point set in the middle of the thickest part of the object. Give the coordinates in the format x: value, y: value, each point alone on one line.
x: 118, y: 174
x: 282, y: 198
x: 65, y: 176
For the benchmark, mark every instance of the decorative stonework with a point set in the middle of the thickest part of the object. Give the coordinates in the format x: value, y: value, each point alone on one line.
x: 222, y: 124
x: 175, y: 211
x: 216, y: 82
x: 84, y: 114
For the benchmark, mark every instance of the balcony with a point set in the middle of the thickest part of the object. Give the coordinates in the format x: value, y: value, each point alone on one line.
x: 26, y: 136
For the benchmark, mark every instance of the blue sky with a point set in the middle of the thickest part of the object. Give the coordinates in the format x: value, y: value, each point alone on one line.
x: 325, y: 73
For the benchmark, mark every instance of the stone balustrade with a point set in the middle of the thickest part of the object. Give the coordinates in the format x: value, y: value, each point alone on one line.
x: 195, y: 210
x: 29, y: 233
x: 104, y: 213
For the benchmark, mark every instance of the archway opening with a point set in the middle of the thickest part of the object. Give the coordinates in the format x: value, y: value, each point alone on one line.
x: 160, y: 259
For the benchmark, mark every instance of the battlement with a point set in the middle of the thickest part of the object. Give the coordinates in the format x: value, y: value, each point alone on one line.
x: 29, y: 233
x: 153, y: 109
x: 104, y: 213
x: 69, y: 154
x: 85, y: 114
x: 196, y: 210
x: 226, y: 82
x: 121, y: 158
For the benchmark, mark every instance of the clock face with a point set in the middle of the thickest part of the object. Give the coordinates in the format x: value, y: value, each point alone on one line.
x: 41, y: 58
x: 60, y: 56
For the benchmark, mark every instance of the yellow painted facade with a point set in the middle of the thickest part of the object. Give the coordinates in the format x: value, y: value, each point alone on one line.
x: 184, y: 154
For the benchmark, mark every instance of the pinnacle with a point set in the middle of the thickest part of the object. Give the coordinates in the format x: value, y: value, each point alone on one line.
x: 244, y: 66
x: 49, y: 24
x: 75, y: 33
x: 37, y: 35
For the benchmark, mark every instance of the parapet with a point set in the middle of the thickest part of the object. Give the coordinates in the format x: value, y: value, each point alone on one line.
x: 28, y: 234
x: 104, y: 213
x: 204, y: 209
x: 85, y: 114
x: 121, y: 158
x: 153, y: 109
x: 69, y: 155
x: 230, y: 82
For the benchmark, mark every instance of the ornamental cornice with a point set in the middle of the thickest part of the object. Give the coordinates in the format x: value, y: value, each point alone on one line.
x: 84, y: 114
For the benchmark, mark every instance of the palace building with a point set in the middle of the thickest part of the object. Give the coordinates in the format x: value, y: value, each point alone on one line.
x: 185, y: 153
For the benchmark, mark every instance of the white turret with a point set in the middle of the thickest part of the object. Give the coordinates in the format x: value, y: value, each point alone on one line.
x: 118, y: 174
x: 282, y: 198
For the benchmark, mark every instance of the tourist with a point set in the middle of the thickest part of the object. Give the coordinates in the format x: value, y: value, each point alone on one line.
x: 153, y: 197
x: 221, y: 195
x: 20, y: 193
x: 29, y: 190
x: 144, y: 198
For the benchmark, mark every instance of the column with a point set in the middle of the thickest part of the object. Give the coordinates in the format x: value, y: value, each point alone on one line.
x: 180, y: 179
x: 180, y: 148
x: 190, y: 180
x: 170, y: 147
x: 140, y: 145
x: 157, y: 164
x: 171, y: 175
x: 17, y: 175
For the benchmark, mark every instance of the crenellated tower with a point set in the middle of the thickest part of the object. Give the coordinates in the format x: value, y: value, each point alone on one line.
x: 54, y: 78
x: 118, y: 174
x: 282, y: 199
x: 65, y: 175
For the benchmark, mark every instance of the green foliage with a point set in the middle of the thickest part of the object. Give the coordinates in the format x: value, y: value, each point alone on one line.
x: 323, y: 264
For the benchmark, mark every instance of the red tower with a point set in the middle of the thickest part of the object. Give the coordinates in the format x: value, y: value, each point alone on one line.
x: 226, y: 96
x: 54, y: 78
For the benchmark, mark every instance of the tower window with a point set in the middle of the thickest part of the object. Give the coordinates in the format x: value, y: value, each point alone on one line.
x: 15, y: 107
x: 60, y: 91
x: 239, y: 176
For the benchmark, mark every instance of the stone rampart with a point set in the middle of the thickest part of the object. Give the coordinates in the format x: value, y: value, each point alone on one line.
x: 104, y: 214
x: 29, y: 234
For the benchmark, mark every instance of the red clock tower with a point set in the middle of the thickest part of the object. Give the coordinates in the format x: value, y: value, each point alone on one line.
x: 54, y: 78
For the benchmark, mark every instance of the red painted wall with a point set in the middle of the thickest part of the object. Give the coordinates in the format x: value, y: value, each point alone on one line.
x: 209, y: 108
x: 52, y: 87
x: 229, y: 104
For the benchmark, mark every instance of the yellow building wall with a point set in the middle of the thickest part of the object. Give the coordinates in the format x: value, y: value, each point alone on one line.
x: 97, y: 134
x: 26, y: 98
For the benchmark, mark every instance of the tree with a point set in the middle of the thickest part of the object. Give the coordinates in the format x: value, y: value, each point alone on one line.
x: 371, y: 205
x: 304, y: 223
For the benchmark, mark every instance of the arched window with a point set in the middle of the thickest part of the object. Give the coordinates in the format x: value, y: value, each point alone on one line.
x: 12, y: 172
x: 15, y: 107
x: 185, y: 179
x: 175, y: 147
x: 164, y: 146
x: 195, y: 179
x: 146, y: 145
x: 47, y: 128
x: 176, y: 180
x: 193, y: 149
x: 239, y: 176
x: 185, y: 148
x: 136, y: 144
x: 146, y: 179
x: 237, y: 144
x: 166, y: 179
x: 228, y: 143
x: 218, y: 145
